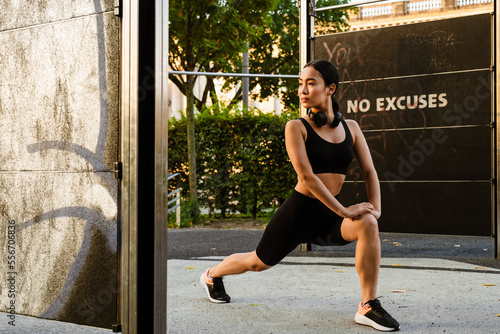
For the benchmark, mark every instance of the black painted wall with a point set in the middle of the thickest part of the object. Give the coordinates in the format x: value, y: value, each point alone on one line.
x: 422, y: 95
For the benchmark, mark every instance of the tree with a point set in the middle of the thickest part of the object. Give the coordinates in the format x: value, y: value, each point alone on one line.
x: 209, y: 36
x: 276, y: 51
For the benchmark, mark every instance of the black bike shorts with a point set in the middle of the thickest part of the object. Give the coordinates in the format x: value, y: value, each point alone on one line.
x: 300, y: 219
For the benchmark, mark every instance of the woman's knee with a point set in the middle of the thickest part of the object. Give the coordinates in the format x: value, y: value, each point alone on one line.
x: 259, y: 267
x: 369, y: 224
x: 256, y: 263
x: 363, y: 227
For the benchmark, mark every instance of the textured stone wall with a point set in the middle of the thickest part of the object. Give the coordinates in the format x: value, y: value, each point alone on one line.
x: 59, y: 70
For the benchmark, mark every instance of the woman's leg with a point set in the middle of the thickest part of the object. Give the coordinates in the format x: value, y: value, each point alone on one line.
x: 276, y: 242
x: 211, y: 279
x: 365, y: 231
x: 370, y: 311
x: 238, y: 263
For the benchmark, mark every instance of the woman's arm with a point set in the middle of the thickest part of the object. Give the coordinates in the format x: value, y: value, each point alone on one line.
x: 368, y: 171
x: 295, y: 146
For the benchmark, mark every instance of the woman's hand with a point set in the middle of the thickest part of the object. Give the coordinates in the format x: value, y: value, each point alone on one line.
x: 354, y: 211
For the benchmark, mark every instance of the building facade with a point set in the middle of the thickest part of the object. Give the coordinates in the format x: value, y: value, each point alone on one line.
x: 388, y: 14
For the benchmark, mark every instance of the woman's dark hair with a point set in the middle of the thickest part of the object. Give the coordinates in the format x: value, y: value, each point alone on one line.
x: 330, y: 76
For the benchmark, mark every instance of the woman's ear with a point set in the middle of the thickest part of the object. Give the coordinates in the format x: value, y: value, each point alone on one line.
x: 332, y: 89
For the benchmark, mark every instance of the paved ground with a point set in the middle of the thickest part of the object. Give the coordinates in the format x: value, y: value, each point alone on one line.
x: 320, y: 295
x: 192, y: 243
x: 32, y: 325
x: 430, y: 284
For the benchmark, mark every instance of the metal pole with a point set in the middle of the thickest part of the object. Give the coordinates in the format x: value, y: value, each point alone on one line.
x: 245, y: 82
x: 178, y: 210
x: 128, y: 123
x: 161, y: 167
x: 304, y: 38
x: 496, y: 110
x: 243, y: 75
x: 178, y: 213
x: 310, y: 38
x: 304, y: 34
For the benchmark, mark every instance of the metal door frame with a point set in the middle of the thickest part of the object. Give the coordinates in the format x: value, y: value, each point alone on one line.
x: 129, y: 149
x: 161, y: 166
x: 496, y: 111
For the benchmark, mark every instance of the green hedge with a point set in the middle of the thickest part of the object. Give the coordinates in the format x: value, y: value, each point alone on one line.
x: 242, y: 164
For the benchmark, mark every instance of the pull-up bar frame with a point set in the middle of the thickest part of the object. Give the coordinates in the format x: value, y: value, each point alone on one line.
x: 307, y: 13
x: 350, y: 5
x: 243, y: 75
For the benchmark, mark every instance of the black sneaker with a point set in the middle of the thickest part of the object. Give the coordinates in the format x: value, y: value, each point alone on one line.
x: 215, y: 288
x: 373, y: 314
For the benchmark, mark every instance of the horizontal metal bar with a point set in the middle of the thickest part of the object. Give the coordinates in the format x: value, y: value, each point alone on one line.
x: 243, y: 75
x: 284, y: 76
x: 416, y: 75
x: 387, y: 2
x: 174, y: 192
x: 170, y: 176
x: 175, y: 199
x: 426, y: 181
x: 350, y: 5
x: 173, y: 208
x: 429, y: 128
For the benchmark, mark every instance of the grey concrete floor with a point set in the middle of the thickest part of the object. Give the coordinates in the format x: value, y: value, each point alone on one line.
x: 320, y: 295
x: 429, y: 283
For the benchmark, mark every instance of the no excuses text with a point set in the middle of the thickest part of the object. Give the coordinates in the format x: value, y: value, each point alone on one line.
x: 399, y: 103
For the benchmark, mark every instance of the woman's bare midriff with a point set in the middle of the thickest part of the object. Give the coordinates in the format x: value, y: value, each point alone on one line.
x: 332, y: 181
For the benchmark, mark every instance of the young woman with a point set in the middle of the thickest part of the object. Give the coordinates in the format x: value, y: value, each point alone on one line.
x: 320, y: 151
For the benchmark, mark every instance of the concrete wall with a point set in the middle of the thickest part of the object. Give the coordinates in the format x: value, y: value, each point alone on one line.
x: 59, y: 70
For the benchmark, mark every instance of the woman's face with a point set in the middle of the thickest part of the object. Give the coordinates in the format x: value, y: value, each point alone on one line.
x: 312, y: 90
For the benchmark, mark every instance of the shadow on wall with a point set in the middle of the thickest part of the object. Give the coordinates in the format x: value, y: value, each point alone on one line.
x: 89, y: 293
x: 91, y: 285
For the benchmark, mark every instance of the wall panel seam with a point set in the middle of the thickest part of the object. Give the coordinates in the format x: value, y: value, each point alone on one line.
x: 55, y: 22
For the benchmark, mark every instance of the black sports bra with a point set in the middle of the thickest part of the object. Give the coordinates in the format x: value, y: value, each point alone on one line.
x: 326, y: 157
